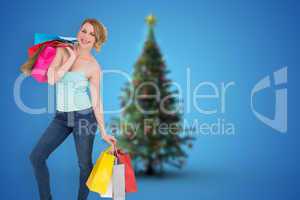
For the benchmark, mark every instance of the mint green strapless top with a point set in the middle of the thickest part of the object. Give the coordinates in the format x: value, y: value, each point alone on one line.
x: 72, y: 92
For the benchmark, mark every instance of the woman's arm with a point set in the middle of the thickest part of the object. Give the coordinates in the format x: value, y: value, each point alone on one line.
x: 54, y: 73
x: 98, y: 106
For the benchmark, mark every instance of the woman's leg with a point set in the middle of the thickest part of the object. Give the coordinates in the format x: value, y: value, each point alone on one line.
x: 84, y: 133
x: 52, y: 137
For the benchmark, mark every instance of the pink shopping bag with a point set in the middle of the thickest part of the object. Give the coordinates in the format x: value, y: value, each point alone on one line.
x: 41, y: 65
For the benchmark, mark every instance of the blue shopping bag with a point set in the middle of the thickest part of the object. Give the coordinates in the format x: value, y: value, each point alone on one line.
x: 42, y: 37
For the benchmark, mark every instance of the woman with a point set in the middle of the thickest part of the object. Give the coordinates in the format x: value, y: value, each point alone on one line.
x: 74, y: 70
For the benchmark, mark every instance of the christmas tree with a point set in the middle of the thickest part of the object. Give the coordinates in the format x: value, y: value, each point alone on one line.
x: 150, y: 124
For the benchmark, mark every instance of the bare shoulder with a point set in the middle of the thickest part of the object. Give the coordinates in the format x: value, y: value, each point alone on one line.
x: 95, y: 66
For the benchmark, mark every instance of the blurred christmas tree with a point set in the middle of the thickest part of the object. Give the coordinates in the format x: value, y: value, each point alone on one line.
x: 150, y: 124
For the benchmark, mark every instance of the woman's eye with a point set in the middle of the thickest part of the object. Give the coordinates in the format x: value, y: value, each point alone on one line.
x: 93, y: 34
x: 84, y: 31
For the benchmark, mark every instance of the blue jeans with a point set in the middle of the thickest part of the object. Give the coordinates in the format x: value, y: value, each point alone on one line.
x: 83, y: 125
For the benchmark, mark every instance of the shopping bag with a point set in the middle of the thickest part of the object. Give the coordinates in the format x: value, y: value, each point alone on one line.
x: 109, y: 191
x: 55, y: 43
x: 44, y: 59
x: 42, y: 37
x: 26, y: 68
x: 101, y: 173
x: 33, y: 55
x: 130, y: 181
x: 41, y: 65
x: 116, y: 188
x: 41, y: 41
x: 118, y: 181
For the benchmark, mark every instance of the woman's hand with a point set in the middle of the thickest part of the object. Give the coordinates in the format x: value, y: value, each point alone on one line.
x: 110, y: 140
x: 55, y: 74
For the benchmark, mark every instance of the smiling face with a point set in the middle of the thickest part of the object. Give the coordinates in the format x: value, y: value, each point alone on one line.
x: 86, y: 36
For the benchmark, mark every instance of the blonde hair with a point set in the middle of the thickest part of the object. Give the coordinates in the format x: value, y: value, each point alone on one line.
x: 100, y: 32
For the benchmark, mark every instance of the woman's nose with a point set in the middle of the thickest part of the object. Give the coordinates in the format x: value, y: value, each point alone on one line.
x: 85, y: 36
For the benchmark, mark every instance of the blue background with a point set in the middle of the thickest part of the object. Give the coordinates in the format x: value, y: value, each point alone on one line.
x: 221, y: 41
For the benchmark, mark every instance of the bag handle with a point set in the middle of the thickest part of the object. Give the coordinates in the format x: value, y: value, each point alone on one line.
x: 115, y: 146
x: 115, y: 150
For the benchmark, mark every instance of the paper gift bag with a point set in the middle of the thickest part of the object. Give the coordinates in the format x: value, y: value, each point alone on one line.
x: 118, y: 182
x: 42, y: 37
x: 38, y: 58
x: 109, y: 191
x: 33, y: 54
x: 44, y: 59
x: 101, y: 173
x: 130, y: 181
x: 116, y: 188
x: 54, y: 43
x: 41, y: 65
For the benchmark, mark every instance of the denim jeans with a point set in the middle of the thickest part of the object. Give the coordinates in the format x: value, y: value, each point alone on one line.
x: 83, y: 125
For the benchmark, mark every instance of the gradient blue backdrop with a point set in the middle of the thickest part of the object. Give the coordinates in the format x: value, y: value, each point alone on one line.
x: 221, y: 41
